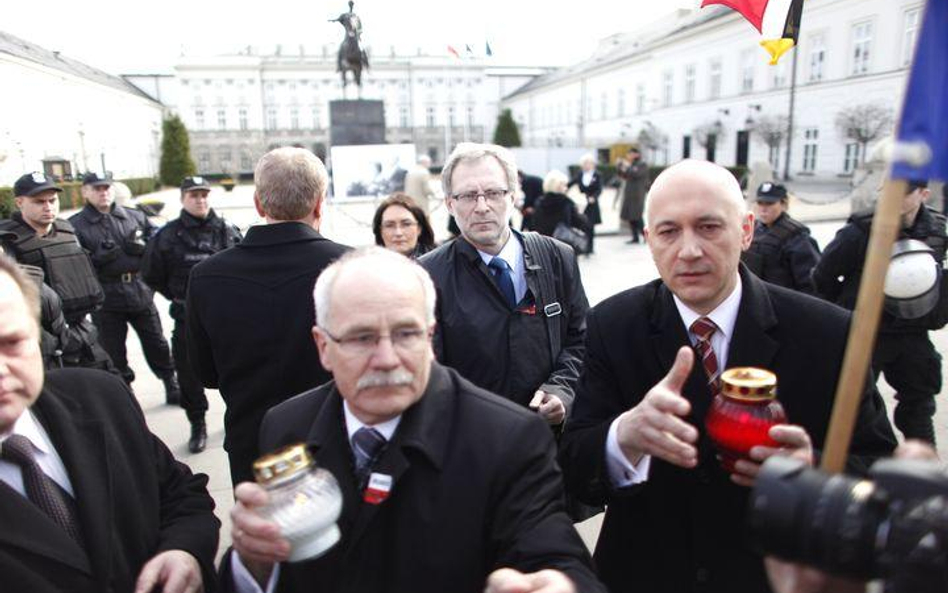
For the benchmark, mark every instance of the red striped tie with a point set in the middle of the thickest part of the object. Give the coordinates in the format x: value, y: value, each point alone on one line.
x: 703, y: 328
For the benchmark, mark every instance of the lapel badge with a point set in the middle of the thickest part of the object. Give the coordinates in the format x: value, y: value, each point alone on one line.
x: 378, y: 489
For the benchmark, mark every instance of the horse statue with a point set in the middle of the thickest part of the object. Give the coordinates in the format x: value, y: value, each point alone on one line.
x: 351, y: 57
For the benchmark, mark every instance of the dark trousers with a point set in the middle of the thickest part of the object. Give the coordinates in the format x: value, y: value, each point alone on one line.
x: 113, y: 330
x: 913, y: 368
x: 636, y: 227
x: 193, y: 399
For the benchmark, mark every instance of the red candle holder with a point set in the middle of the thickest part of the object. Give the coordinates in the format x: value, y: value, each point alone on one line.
x: 742, y: 413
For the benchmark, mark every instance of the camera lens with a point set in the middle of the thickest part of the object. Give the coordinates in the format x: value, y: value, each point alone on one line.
x: 829, y: 521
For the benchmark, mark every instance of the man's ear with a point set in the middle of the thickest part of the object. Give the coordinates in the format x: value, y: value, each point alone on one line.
x: 19, y: 202
x: 747, y: 231
x: 258, y: 205
x: 321, y: 344
x: 318, y: 208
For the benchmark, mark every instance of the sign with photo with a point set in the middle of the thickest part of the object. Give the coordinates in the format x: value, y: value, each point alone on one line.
x: 371, y: 171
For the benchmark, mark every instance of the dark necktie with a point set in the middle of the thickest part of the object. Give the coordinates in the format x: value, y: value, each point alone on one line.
x: 703, y: 328
x: 42, y: 490
x: 367, y: 445
x: 501, y: 271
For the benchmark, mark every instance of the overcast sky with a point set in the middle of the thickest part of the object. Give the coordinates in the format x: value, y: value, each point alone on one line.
x: 123, y: 36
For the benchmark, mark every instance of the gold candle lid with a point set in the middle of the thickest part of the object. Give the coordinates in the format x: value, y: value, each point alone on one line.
x: 282, y: 464
x: 749, y: 383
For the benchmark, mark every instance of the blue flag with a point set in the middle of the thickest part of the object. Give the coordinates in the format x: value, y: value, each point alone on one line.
x: 925, y: 110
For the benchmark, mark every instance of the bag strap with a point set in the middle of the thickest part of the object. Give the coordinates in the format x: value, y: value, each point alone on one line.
x: 542, y: 249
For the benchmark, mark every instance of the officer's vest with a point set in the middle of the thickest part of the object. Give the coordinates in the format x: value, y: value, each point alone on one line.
x: 764, y: 256
x: 67, y: 267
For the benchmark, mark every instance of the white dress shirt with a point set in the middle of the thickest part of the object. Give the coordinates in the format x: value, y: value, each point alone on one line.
x: 43, y: 451
x: 621, y: 471
x: 243, y: 580
x: 512, y: 253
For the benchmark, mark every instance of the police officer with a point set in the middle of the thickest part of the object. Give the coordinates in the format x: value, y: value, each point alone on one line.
x: 115, y: 238
x: 194, y: 236
x: 783, y: 252
x: 38, y: 239
x: 903, y: 351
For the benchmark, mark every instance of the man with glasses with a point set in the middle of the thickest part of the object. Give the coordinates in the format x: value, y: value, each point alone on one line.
x: 463, y: 488
x: 511, y: 306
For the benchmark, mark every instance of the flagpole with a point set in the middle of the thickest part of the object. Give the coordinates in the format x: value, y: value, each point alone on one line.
x: 793, y: 97
x: 865, y: 323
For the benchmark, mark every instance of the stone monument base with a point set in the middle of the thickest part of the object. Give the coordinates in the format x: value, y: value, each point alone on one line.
x: 356, y: 122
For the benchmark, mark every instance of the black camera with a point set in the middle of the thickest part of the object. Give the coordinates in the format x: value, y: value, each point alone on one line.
x: 892, y: 525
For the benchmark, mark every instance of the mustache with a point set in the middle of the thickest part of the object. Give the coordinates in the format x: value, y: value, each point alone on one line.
x: 385, y: 379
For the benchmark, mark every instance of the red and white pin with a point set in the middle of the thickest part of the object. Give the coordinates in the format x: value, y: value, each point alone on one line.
x: 378, y: 489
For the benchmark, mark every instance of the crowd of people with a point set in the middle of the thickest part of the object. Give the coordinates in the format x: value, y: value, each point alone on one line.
x: 471, y: 377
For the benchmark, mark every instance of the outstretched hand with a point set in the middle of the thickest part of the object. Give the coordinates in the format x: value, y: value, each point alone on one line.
x: 655, y: 426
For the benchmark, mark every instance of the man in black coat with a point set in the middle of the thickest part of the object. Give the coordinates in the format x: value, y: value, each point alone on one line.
x: 115, y: 238
x: 511, y: 307
x: 636, y: 442
x: 197, y: 234
x: 472, y: 493
x: 249, y: 309
x: 903, y: 351
x: 90, y: 500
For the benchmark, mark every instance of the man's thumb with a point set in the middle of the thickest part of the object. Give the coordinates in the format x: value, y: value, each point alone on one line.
x: 676, y: 377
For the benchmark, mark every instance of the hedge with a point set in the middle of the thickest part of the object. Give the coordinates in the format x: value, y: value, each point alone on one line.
x: 71, y: 196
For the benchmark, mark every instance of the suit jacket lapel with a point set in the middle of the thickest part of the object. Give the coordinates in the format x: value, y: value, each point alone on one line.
x: 80, y: 443
x: 26, y: 526
x: 751, y: 344
x: 668, y: 336
x: 425, y: 429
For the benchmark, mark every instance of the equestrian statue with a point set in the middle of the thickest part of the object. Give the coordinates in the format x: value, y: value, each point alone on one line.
x: 351, y: 57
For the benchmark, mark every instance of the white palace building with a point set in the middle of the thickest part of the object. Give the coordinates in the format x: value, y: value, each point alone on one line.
x: 702, y: 73
x: 693, y: 84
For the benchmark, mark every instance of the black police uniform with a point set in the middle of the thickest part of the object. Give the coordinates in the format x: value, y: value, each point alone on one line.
x: 69, y: 273
x: 116, y: 242
x: 903, y: 351
x: 783, y: 253
x: 175, y: 249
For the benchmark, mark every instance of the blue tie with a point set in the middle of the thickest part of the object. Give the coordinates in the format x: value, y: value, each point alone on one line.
x: 367, y: 445
x: 501, y: 270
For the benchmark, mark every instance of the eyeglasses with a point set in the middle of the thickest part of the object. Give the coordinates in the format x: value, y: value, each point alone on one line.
x: 391, y: 225
x: 492, y: 196
x: 403, y: 340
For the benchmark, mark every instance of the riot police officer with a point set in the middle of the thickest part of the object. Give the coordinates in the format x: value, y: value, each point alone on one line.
x: 783, y: 252
x: 195, y: 235
x: 115, y: 238
x: 38, y: 239
x: 903, y: 351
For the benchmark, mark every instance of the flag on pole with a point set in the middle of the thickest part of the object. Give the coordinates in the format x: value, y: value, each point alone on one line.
x: 778, y: 22
x: 453, y: 51
x: 487, y: 50
x: 921, y: 152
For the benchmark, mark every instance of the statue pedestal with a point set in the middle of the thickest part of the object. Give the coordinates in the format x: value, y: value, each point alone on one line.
x: 356, y: 122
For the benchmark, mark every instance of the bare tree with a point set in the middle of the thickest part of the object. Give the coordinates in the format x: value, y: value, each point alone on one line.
x: 771, y: 130
x: 863, y: 124
x: 653, y: 139
x: 707, y: 132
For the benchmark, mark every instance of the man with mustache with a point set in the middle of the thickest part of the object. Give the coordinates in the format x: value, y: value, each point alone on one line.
x: 511, y: 306
x: 636, y: 440
x: 474, y: 501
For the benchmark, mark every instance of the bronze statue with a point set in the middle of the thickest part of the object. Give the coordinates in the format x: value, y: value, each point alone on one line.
x: 351, y: 56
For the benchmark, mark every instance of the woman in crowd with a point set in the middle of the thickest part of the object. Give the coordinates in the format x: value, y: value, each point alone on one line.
x: 401, y: 225
x: 590, y: 183
x: 554, y: 207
